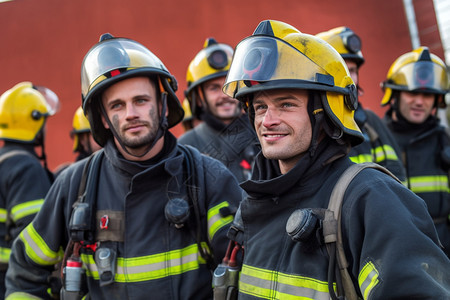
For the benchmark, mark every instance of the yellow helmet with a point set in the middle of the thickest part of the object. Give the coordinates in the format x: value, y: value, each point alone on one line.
x: 279, y: 56
x: 346, y: 43
x: 23, y: 111
x: 187, y: 110
x: 114, y: 59
x: 211, y: 62
x: 417, y: 71
x: 80, y: 124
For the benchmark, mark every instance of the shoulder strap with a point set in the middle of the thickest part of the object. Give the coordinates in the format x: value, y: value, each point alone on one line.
x: 193, y: 195
x: 12, y: 153
x: 333, y: 217
x: 81, y: 225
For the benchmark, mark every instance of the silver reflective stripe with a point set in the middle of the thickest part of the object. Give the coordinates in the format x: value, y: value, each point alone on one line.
x: 150, y: 267
x: 34, y: 250
x: 368, y: 279
x: 268, y: 284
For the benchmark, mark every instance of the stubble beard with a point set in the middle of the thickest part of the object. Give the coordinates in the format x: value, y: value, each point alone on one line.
x: 143, y: 141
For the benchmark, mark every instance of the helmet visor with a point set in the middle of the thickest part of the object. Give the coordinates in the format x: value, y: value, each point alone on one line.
x: 424, y: 76
x: 51, y: 99
x: 114, y: 54
x: 262, y: 59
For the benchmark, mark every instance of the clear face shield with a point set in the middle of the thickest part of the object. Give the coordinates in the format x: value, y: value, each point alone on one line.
x: 260, y: 59
x: 51, y: 99
x: 115, y: 54
x: 425, y: 76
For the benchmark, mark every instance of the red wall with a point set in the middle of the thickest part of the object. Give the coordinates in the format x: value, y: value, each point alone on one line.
x: 45, y: 41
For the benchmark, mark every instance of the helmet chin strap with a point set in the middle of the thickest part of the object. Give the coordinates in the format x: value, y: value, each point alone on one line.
x: 162, y: 128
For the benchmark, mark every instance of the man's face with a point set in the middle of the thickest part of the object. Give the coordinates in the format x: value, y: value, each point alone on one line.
x: 88, y: 143
x: 353, y: 69
x: 416, y: 107
x: 283, y: 126
x: 133, y: 110
x: 220, y: 105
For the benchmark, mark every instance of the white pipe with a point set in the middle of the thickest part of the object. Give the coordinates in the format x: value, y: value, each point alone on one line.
x: 412, y: 25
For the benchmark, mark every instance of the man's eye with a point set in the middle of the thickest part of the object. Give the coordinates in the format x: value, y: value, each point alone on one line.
x: 115, y: 105
x: 259, y: 107
x: 213, y: 88
x: 287, y: 104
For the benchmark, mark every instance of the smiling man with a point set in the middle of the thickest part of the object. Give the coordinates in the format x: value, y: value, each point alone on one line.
x: 225, y: 133
x: 301, y: 100
x: 415, y: 88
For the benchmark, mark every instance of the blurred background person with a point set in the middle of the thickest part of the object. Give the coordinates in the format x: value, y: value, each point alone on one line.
x: 83, y: 141
x: 379, y: 145
x: 414, y: 89
x: 225, y: 132
x: 24, y: 176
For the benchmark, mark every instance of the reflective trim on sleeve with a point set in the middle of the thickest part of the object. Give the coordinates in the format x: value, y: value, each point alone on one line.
x: 368, y: 279
x: 3, y: 215
x: 385, y: 152
x: 4, y: 255
x: 36, y: 248
x: 429, y: 184
x: 215, y: 220
x: 361, y: 158
x: 379, y: 154
x: 21, y: 296
x: 269, y: 284
x: 25, y: 209
x: 149, y: 267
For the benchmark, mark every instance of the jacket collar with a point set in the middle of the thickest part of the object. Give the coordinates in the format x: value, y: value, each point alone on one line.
x: 161, y: 160
x: 267, y: 180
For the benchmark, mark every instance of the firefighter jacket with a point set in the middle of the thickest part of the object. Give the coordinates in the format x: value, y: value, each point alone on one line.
x: 379, y: 146
x: 235, y: 145
x: 388, y: 236
x: 154, y: 259
x: 427, y: 168
x: 23, y: 185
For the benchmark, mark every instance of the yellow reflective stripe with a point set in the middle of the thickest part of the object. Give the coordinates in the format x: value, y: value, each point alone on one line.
x: 384, y: 152
x: 269, y: 284
x: 361, y: 158
x: 4, y: 255
x: 368, y: 279
x: 21, y: 296
x: 150, y: 267
x: 429, y: 184
x: 36, y: 248
x: 3, y: 215
x: 380, y: 153
x: 215, y: 220
x: 25, y: 209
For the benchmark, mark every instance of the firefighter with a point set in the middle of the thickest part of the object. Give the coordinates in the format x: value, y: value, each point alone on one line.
x: 189, y: 122
x: 224, y: 133
x: 146, y: 217
x: 83, y: 141
x: 414, y: 89
x: 301, y: 100
x: 24, y: 176
x: 379, y: 145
